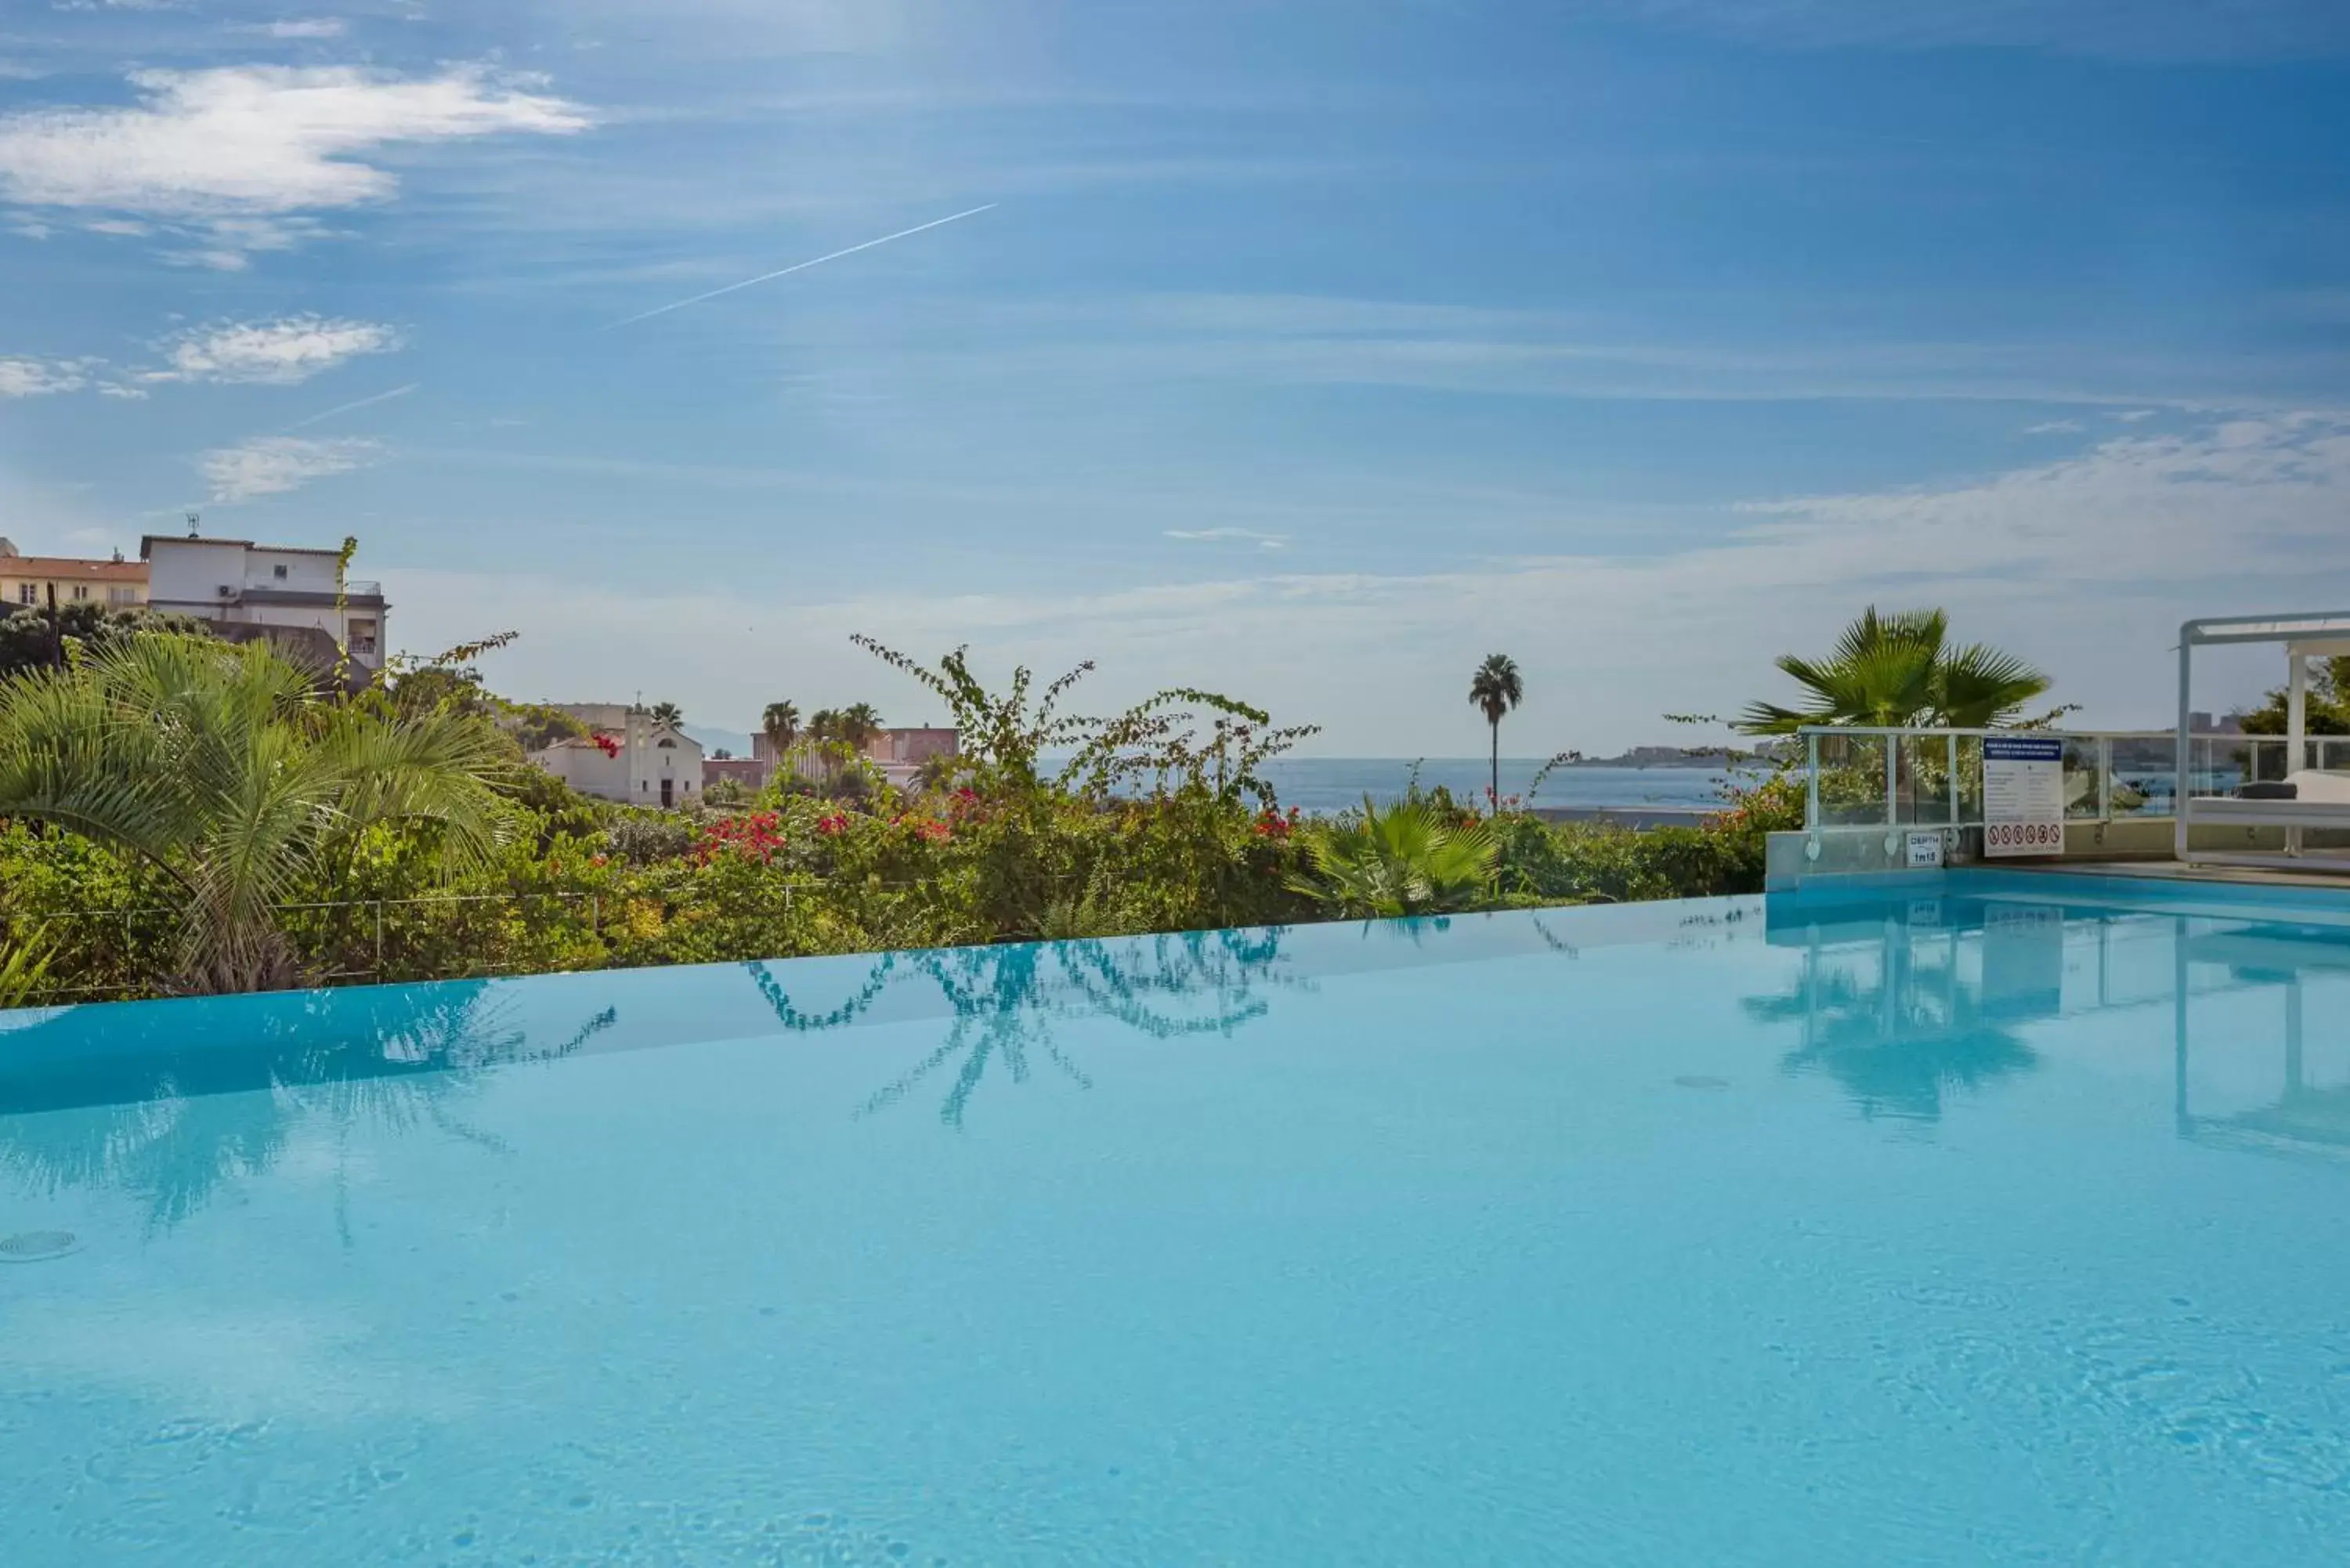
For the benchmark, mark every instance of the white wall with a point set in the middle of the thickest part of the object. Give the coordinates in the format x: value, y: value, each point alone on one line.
x: 587, y: 770
x: 307, y: 571
x: 193, y: 571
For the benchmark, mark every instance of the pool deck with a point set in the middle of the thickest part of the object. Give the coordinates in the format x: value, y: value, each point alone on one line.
x: 2178, y: 871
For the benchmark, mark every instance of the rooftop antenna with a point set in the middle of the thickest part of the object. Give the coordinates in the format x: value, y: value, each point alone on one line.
x: 194, y: 518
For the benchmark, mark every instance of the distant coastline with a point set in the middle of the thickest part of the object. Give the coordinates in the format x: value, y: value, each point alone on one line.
x: 1718, y: 759
x: 1317, y: 784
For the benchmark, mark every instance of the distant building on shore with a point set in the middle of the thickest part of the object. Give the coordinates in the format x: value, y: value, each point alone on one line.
x: 626, y: 757
x: 36, y: 582
x: 289, y: 594
x: 899, y: 753
x: 748, y: 772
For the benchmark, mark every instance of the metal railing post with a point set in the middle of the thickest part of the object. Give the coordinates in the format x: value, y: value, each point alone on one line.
x: 379, y: 938
x: 1892, y: 779
x: 1812, y: 782
x: 1952, y: 783
x: 2104, y: 778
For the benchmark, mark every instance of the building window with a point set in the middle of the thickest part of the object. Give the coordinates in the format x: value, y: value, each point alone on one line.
x: 363, y: 637
x: 81, y: 590
x: 277, y: 572
x: 123, y: 596
x: 666, y: 745
x: 26, y: 594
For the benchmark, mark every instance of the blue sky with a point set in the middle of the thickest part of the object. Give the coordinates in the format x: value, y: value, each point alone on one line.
x: 1309, y: 351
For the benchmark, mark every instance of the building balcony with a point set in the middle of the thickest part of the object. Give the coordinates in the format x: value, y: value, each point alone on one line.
x: 357, y: 595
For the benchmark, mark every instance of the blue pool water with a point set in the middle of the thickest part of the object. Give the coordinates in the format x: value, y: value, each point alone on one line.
x: 2002, y: 1222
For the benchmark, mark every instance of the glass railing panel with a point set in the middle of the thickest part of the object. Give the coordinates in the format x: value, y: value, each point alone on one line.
x: 2084, y: 798
x: 1924, y: 785
x: 1852, y: 781
x: 2145, y: 774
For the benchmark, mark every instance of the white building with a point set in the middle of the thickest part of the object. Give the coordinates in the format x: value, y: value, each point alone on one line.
x: 630, y: 759
x: 236, y: 582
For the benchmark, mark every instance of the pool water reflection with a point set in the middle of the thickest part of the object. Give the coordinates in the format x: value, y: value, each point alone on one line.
x: 2004, y: 1224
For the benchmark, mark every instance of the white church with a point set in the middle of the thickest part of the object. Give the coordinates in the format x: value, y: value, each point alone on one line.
x: 626, y: 757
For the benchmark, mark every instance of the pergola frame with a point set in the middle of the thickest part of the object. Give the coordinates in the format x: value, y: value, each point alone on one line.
x: 2305, y: 637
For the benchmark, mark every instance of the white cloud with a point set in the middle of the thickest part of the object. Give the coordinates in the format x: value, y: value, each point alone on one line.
x: 305, y: 27
x: 280, y: 353
x: 41, y: 378
x: 1231, y: 535
x: 272, y: 465
x: 2085, y: 565
x: 2056, y: 426
x: 242, y: 152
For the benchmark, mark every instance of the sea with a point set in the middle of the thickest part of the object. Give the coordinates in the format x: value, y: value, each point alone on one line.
x: 1318, y: 786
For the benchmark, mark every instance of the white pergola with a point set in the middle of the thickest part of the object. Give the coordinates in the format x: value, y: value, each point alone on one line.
x: 2322, y: 803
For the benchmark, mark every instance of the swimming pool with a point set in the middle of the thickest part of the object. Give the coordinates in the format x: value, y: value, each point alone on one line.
x: 2001, y: 1218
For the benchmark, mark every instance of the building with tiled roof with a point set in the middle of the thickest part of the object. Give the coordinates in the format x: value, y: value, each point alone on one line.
x: 36, y: 582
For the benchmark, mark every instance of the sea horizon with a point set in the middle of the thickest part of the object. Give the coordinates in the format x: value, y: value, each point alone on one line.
x: 1318, y: 784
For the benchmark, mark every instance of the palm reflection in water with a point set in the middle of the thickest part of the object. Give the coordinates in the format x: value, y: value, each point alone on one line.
x: 1888, y: 1010
x: 167, y: 1102
x: 1006, y: 1002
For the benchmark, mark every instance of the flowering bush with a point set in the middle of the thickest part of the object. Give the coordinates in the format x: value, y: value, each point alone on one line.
x: 755, y: 836
x: 1011, y: 851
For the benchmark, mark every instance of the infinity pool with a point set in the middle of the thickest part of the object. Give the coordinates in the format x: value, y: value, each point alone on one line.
x: 2006, y: 1221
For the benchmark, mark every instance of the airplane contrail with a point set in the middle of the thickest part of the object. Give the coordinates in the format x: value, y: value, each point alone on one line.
x: 798, y: 266
x: 362, y: 403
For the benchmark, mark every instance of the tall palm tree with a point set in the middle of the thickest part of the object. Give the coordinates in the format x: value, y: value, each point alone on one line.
x: 857, y: 724
x: 822, y: 735
x: 668, y: 713
x: 781, y: 724
x: 1898, y: 670
x: 1493, y: 690
x: 226, y: 768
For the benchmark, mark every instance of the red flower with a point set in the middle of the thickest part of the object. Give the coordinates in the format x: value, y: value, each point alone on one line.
x: 837, y: 822
x: 607, y: 744
x: 936, y: 832
x: 751, y: 837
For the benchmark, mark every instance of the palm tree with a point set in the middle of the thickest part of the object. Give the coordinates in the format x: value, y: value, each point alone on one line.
x: 668, y: 713
x: 224, y: 768
x: 1898, y: 670
x: 1406, y: 860
x: 856, y: 725
x: 1493, y: 690
x: 781, y: 724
